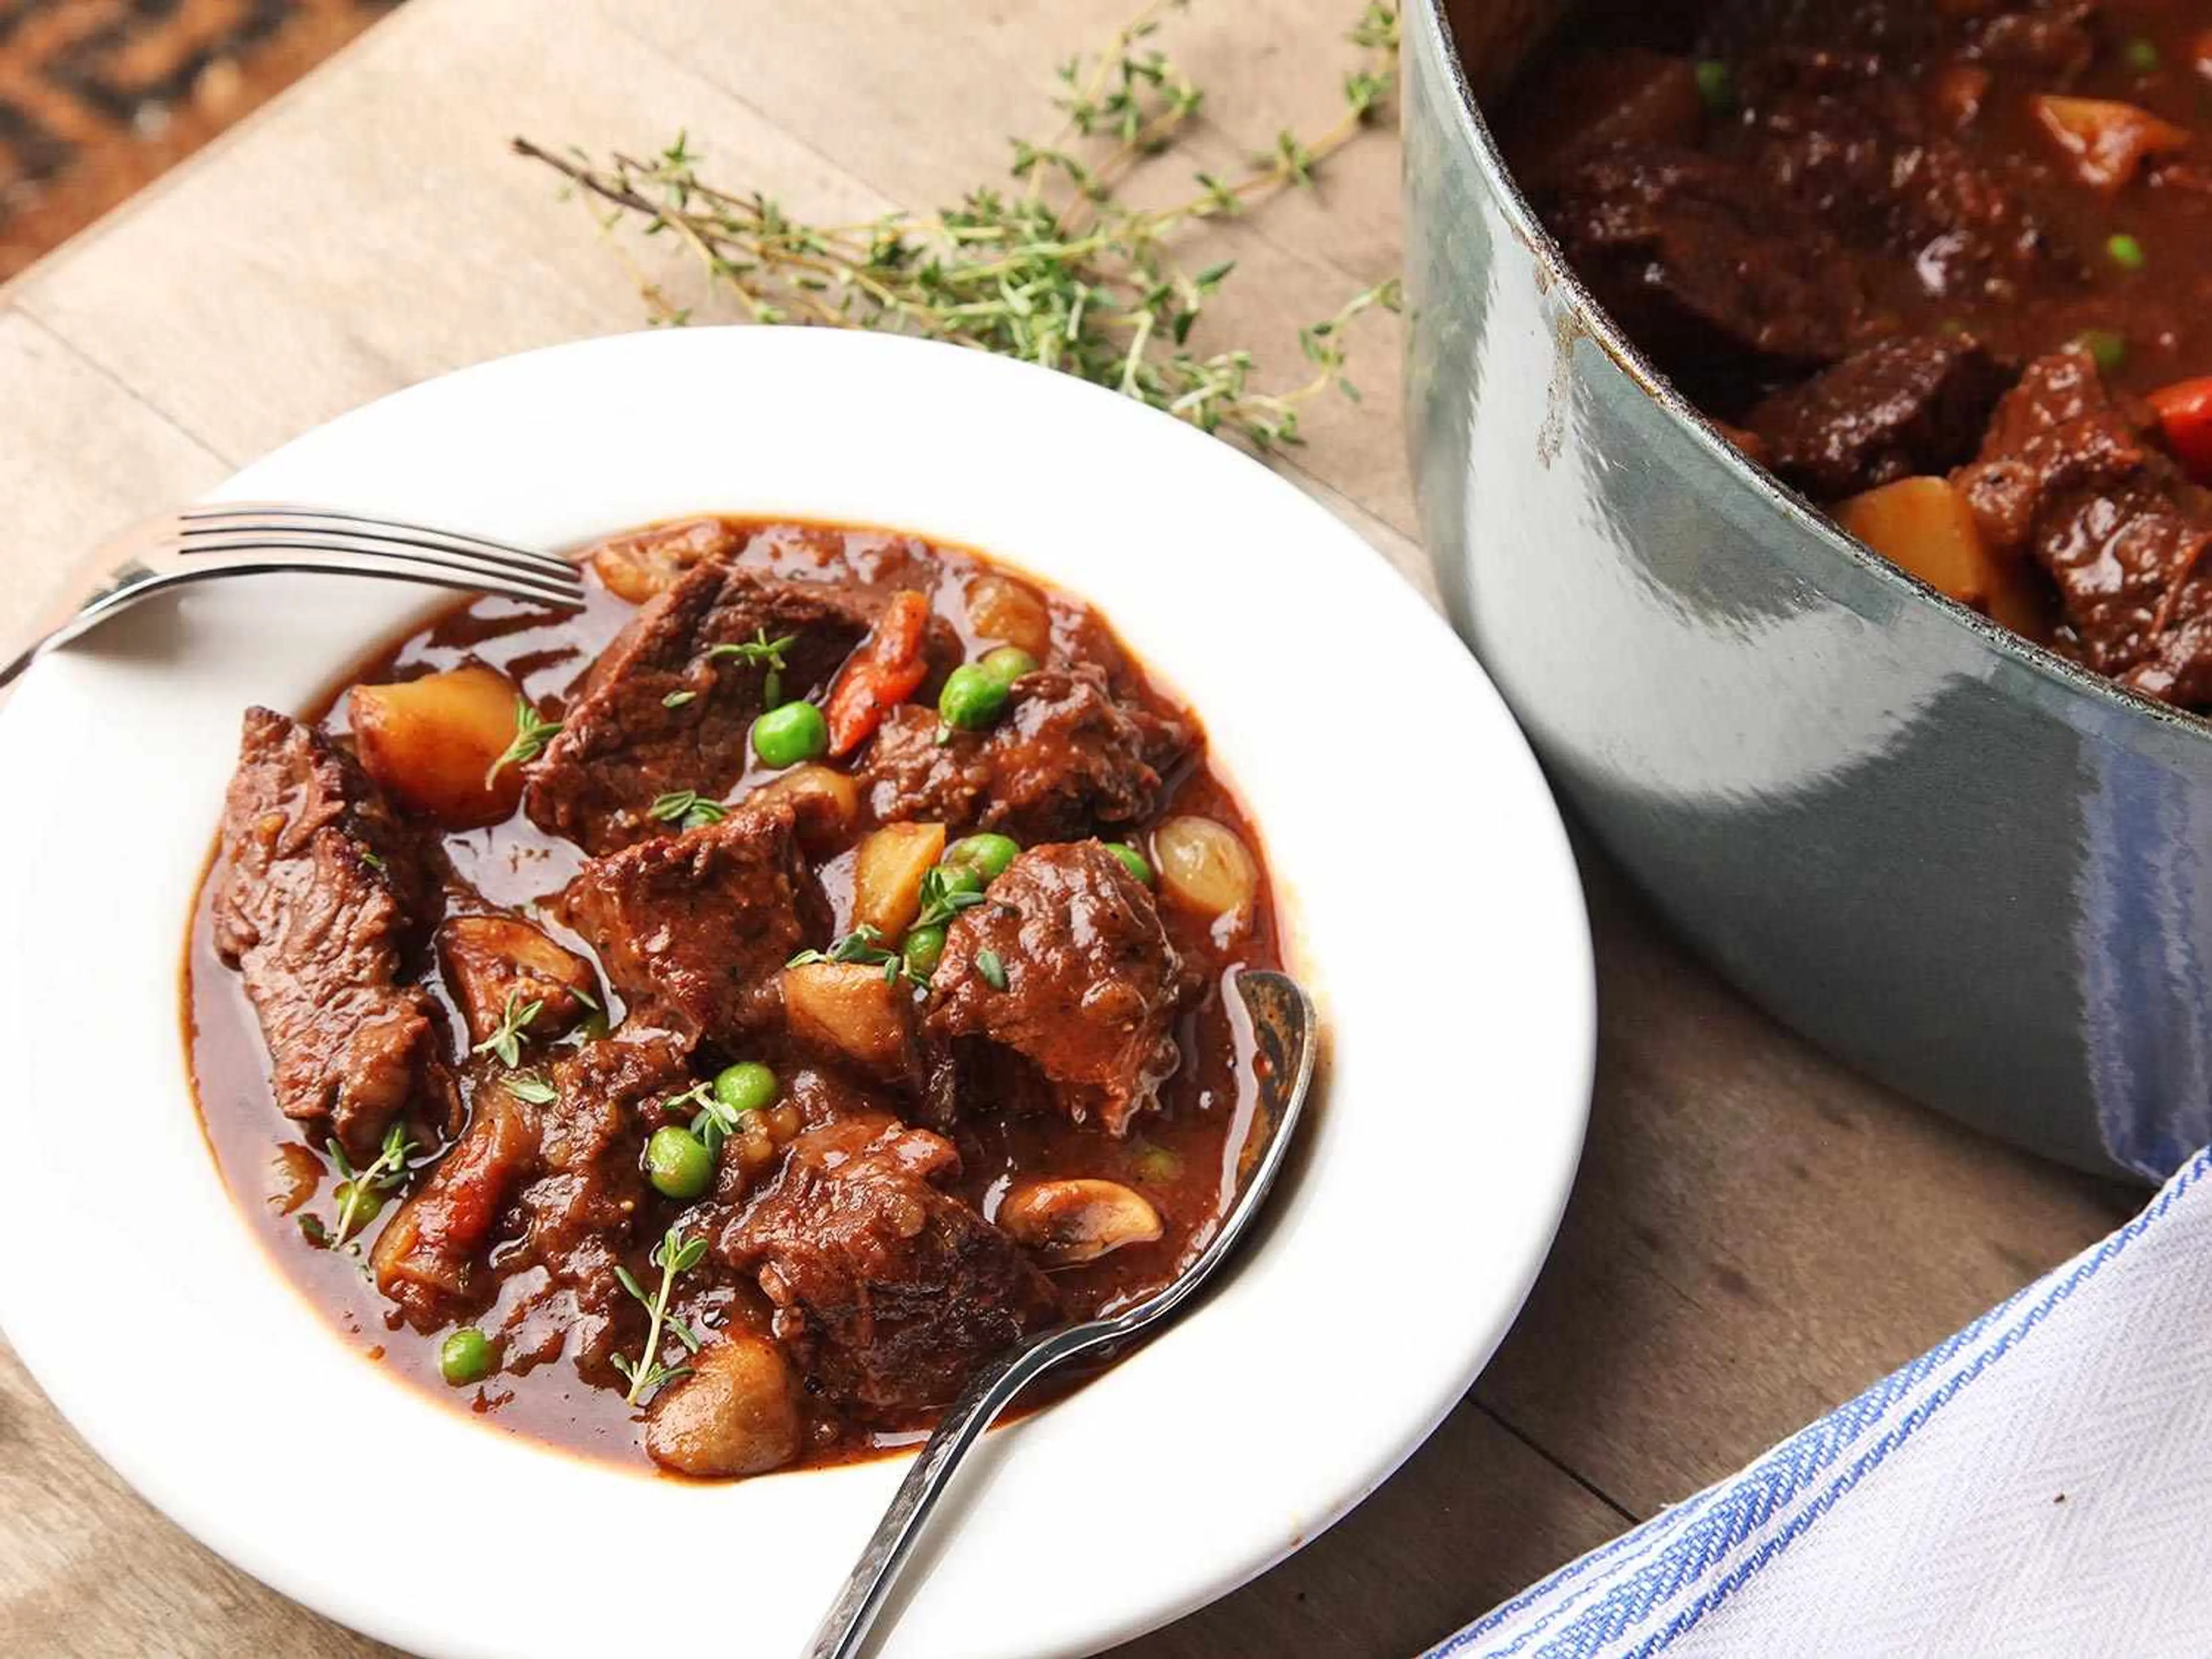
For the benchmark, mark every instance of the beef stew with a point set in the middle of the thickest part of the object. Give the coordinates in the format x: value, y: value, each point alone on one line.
x: 716, y: 1021
x: 1946, y: 268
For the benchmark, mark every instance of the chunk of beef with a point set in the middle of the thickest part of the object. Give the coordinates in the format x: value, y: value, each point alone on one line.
x: 1092, y: 985
x: 580, y: 1208
x: 325, y: 902
x: 2065, y: 477
x: 495, y: 963
x: 622, y: 746
x: 559, y: 1179
x: 1888, y: 411
x: 1066, y: 758
x: 888, y: 1291
x: 692, y: 929
x: 1860, y: 156
x: 1728, y: 288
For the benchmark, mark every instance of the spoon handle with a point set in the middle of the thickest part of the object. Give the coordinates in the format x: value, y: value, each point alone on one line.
x: 991, y: 1391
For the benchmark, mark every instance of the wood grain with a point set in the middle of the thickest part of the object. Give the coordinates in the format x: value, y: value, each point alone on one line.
x: 1756, y: 1234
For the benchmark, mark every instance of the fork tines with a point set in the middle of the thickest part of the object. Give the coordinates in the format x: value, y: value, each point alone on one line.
x: 330, y: 539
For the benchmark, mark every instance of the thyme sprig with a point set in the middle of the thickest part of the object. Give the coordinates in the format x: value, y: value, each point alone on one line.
x: 504, y: 1043
x: 361, y: 1194
x: 532, y: 734
x: 864, y: 944
x: 674, y: 1256
x: 761, y: 649
x: 1059, y: 271
x: 687, y: 809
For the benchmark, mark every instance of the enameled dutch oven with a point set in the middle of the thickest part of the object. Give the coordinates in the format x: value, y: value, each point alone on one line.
x: 1967, y: 867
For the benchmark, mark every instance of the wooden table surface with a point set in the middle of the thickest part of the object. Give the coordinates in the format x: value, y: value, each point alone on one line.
x: 1756, y: 1234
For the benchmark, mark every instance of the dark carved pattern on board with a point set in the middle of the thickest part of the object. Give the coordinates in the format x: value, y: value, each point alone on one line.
x: 97, y: 97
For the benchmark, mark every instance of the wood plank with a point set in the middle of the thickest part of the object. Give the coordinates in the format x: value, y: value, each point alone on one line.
x: 81, y: 458
x: 1756, y: 1235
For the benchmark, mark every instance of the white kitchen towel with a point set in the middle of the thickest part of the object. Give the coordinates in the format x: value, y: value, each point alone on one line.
x: 2041, y: 1483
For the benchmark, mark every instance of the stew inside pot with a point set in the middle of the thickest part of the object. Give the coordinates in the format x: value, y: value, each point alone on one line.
x: 727, y: 1017
x: 1944, y: 266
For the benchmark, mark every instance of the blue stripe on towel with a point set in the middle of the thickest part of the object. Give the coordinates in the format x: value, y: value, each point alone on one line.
x: 1645, y: 1573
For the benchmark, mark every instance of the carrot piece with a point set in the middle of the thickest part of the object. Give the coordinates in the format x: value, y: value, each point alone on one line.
x: 2184, y: 416
x: 2108, y: 140
x: 882, y: 674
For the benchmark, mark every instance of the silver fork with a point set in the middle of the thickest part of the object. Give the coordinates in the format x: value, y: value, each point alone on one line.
x: 241, y: 539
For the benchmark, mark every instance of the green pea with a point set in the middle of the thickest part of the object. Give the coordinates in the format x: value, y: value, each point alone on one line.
x: 678, y: 1163
x: 465, y: 1357
x: 2139, y: 55
x: 1131, y: 860
x: 963, y: 878
x: 2126, y: 251
x: 1716, y: 86
x: 973, y: 697
x: 923, y: 949
x: 747, y: 1086
x: 795, y: 732
x: 358, y: 1206
x: 1008, y: 664
x: 990, y: 853
x: 2108, y: 347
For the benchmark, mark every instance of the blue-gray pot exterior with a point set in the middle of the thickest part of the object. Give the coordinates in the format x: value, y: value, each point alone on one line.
x: 1968, y: 868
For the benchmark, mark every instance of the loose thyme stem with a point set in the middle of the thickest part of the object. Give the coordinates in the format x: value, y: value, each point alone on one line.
x: 1062, y: 273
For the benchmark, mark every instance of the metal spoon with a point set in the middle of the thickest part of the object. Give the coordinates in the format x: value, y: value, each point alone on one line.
x: 1282, y: 1029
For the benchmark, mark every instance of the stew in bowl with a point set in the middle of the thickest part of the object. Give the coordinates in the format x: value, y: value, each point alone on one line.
x: 718, y: 1021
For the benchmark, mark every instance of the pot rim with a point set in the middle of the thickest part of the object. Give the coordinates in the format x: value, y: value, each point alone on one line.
x: 2042, y: 665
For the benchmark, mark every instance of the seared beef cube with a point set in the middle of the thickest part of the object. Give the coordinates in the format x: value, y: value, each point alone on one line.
x: 1889, y: 410
x: 324, y: 904
x: 692, y: 929
x: 622, y: 746
x: 494, y: 963
x: 1090, y: 983
x: 2065, y: 477
x: 888, y: 1291
x: 559, y: 1178
x: 1066, y: 758
x: 1728, y: 288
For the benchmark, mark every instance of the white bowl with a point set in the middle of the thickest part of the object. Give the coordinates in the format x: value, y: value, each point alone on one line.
x: 1433, y: 908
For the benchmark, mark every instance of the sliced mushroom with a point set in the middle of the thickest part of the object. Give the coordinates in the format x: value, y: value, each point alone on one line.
x: 1068, y: 1222
x: 491, y: 960
x: 737, y: 1413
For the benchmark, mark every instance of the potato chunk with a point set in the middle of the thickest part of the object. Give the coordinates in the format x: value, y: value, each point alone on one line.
x: 1924, y: 525
x: 644, y: 562
x: 1008, y: 612
x: 887, y: 874
x: 737, y: 1413
x: 850, y: 1008
x: 433, y: 742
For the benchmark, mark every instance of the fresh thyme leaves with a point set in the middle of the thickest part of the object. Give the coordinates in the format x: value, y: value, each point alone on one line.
x: 374, y: 861
x: 674, y: 1256
x: 687, y: 809
x: 993, y: 971
x: 762, y: 649
x: 942, y: 898
x: 677, y: 699
x: 715, y: 1121
x: 504, y: 1043
x: 863, y: 944
x: 531, y: 1087
x: 361, y: 1194
x: 1058, y: 269
x: 532, y: 734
